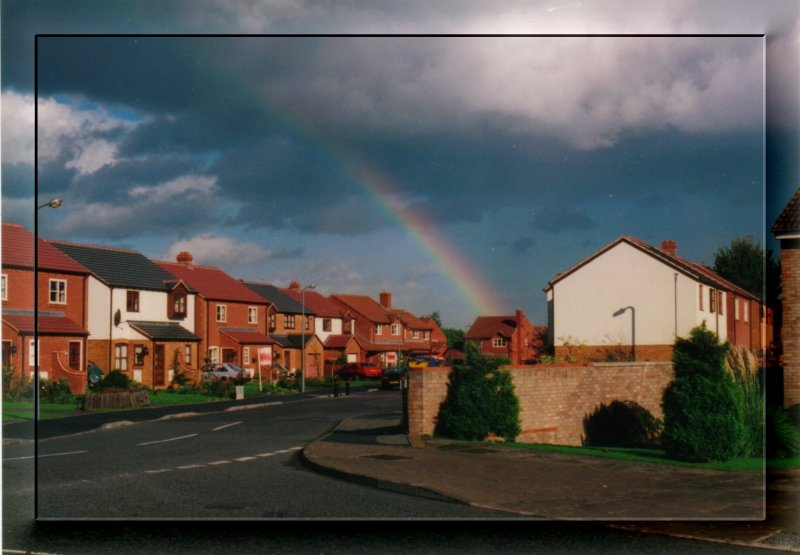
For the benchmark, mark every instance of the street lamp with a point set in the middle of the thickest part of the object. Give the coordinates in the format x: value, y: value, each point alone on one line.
x: 52, y: 203
x: 633, y: 327
x: 303, y: 336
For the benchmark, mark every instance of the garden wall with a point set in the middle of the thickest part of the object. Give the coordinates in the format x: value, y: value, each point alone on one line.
x: 553, y: 399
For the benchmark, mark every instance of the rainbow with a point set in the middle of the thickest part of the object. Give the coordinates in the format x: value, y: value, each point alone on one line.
x: 464, y: 277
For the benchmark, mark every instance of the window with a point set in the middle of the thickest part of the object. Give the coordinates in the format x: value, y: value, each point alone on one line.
x: 498, y: 342
x: 701, y: 296
x: 133, y: 301
x: 213, y: 354
x: 4, y: 288
x: 347, y: 326
x: 720, y: 302
x: 395, y: 329
x: 288, y: 321
x: 309, y: 322
x: 378, y: 329
x: 271, y: 320
x: 712, y: 297
x: 121, y: 357
x: 415, y: 334
x: 187, y: 354
x: 252, y: 315
x: 747, y: 312
x: 246, y: 355
x: 326, y: 324
x: 222, y: 313
x: 735, y: 309
x: 179, y: 305
x: 33, y: 350
x: 58, y: 291
x: 426, y: 335
x: 138, y: 355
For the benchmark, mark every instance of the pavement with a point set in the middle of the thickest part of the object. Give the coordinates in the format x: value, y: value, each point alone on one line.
x: 743, y: 508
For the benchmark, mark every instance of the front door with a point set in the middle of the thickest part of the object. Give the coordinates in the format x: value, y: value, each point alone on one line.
x: 75, y: 355
x: 158, y: 365
x: 228, y: 355
x: 6, y: 353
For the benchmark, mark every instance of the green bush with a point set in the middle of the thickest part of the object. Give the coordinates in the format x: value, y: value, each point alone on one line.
x: 783, y: 436
x: 621, y: 424
x: 218, y: 388
x: 55, y: 392
x: 480, y: 401
x: 702, y: 407
x: 743, y: 366
x: 114, y: 379
x: 16, y: 386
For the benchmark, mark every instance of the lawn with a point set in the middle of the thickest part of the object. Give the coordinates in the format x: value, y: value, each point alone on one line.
x: 745, y: 464
x: 14, y: 411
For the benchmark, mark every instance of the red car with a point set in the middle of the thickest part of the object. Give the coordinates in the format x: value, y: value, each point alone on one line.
x: 360, y: 370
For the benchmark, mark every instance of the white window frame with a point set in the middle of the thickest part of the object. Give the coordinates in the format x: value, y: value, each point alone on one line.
x: 246, y: 356
x: 289, y: 321
x: 327, y: 324
x: 426, y: 334
x: 378, y: 329
x: 747, y: 312
x: 124, y: 366
x: 498, y: 342
x: 4, y: 288
x: 33, y: 352
x: 213, y: 354
x: 187, y: 355
x: 395, y: 329
x: 222, y: 313
x: 415, y: 334
x: 61, y: 296
x: 252, y: 315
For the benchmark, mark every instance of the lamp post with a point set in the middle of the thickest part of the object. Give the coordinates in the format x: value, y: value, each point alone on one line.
x: 633, y: 327
x: 52, y: 203
x: 303, y: 337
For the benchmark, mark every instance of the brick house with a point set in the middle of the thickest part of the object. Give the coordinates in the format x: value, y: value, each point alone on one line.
x: 140, y: 318
x: 630, y: 298
x: 230, y: 318
x: 61, y: 305
x: 438, y: 338
x: 417, y: 332
x: 506, y: 336
x: 284, y: 321
x: 380, y: 335
x: 787, y: 231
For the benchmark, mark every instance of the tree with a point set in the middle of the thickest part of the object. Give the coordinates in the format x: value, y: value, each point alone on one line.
x: 703, y: 409
x: 455, y: 338
x: 435, y: 317
x: 743, y: 263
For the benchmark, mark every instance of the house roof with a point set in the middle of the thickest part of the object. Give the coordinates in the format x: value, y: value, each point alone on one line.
x: 292, y: 341
x: 18, y: 250
x: 789, y: 219
x: 116, y: 267
x: 696, y: 271
x: 338, y: 341
x: 163, y: 331
x: 23, y: 323
x: 366, y: 306
x: 317, y: 304
x: 283, y: 303
x: 413, y: 322
x: 489, y: 326
x: 246, y: 336
x: 212, y: 283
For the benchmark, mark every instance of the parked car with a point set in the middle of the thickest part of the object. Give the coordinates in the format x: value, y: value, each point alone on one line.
x: 392, y: 376
x: 360, y: 370
x: 224, y: 371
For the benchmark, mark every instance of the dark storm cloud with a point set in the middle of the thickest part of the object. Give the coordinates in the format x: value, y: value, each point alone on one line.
x: 563, y: 220
x: 523, y: 245
x: 288, y: 253
x: 17, y: 180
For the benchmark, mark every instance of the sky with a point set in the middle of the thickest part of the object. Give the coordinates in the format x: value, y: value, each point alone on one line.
x: 461, y: 173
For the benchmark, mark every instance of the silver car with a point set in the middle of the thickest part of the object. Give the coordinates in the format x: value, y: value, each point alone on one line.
x: 225, y: 371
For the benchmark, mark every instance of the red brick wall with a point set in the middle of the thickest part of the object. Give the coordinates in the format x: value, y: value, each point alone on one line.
x: 790, y: 284
x: 585, y: 354
x: 553, y: 399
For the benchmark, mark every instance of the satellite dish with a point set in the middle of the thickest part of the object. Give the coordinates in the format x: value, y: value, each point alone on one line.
x: 117, y: 318
x: 95, y: 373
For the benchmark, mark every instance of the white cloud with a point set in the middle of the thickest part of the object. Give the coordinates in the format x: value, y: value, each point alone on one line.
x: 192, y: 184
x: 93, y: 155
x: 223, y: 251
x: 17, y: 123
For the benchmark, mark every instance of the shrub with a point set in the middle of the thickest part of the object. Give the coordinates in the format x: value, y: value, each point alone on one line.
x: 55, y: 392
x: 114, y: 379
x: 621, y: 424
x: 702, y: 407
x: 783, y: 436
x: 218, y: 388
x: 16, y: 386
x: 480, y: 401
x: 743, y: 367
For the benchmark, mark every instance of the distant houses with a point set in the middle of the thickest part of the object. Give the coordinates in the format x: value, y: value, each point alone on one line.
x: 630, y: 299
x: 512, y: 337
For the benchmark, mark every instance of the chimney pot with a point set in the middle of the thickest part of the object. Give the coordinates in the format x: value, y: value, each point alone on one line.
x: 386, y: 299
x: 670, y: 247
x: 294, y: 285
x: 184, y: 258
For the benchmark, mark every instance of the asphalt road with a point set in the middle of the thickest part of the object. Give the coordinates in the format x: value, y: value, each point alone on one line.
x: 243, y: 465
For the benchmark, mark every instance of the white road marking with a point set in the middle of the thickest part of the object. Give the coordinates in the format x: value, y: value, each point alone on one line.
x: 165, y: 440
x: 225, y: 426
x: 218, y: 462
x: 244, y: 459
x: 159, y: 471
x: 50, y: 455
x: 284, y: 451
x: 266, y: 455
x: 295, y: 448
x: 187, y: 466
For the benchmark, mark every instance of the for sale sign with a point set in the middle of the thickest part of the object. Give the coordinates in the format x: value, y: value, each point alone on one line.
x: 265, y: 356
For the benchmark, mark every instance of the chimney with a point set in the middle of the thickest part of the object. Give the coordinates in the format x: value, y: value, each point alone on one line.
x: 386, y: 299
x: 294, y: 285
x: 670, y: 247
x: 518, y: 318
x: 184, y: 258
